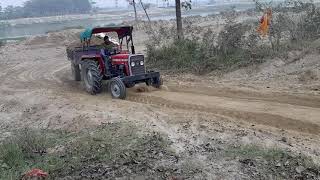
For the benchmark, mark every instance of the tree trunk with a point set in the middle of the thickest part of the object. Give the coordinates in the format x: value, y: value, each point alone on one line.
x: 179, y: 20
x: 145, y: 11
x: 135, y: 10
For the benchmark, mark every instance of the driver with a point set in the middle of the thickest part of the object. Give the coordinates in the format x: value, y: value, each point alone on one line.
x: 108, y: 45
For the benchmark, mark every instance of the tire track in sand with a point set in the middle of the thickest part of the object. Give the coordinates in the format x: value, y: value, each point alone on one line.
x: 274, y: 114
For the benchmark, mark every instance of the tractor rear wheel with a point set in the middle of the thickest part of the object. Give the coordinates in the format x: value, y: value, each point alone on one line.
x: 117, y: 88
x: 76, y: 74
x: 92, y: 76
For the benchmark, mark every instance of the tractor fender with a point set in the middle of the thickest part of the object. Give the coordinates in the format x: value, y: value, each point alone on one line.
x: 99, y: 59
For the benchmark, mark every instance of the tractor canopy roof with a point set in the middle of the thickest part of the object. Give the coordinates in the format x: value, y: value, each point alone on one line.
x: 122, y: 31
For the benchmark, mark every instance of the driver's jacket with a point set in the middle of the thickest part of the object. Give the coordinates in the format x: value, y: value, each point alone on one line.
x: 108, y: 47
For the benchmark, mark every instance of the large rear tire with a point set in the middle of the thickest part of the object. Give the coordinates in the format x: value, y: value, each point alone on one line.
x: 92, y: 77
x: 75, y: 70
x: 117, y: 88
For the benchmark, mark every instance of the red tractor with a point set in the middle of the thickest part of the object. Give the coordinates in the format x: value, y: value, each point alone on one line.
x: 123, y: 67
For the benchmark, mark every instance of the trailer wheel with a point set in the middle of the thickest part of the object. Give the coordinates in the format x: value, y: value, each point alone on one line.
x: 75, y: 70
x: 117, y: 88
x: 157, y: 82
x: 91, y: 76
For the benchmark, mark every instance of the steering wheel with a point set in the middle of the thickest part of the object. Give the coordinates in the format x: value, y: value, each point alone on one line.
x: 115, y: 50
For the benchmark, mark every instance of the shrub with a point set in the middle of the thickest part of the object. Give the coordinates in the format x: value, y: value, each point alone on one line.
x: 200, y: 55
x: 308, y: 28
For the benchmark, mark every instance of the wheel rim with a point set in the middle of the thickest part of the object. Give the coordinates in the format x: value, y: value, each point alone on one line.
x: 115, y: 90
x: 88, y: 79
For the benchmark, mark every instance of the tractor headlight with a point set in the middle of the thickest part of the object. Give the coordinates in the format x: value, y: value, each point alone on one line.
x: 133, y: 64
x: 141, y: 63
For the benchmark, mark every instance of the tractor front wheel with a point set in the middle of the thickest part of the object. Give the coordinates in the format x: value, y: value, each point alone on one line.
x: 92, y: 76
x: 130, y: 85
x: 117, y: 88
x: 157, y: 82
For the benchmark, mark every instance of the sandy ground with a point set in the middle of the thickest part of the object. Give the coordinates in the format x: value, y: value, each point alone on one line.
x: 242, y: 107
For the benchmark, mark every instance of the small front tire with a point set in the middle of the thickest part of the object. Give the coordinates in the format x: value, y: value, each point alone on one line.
x: 157, y: 82
x: 117, y: 88
x: 130, y: 85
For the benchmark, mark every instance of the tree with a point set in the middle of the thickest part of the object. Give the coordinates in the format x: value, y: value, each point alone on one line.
x: 187, y: 5
x: 36, y: 8
x: 92, y: 2
x: 145, y: 7
x: 0, y: 12
x: 179, y: 19
x: 133, y: 3
x: 9, y: 12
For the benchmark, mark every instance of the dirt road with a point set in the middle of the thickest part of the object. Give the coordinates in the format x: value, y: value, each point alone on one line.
x: 283, y: 112
x: 39, y: 72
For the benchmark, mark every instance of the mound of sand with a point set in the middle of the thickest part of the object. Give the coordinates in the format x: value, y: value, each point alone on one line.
x: 295, y: 71
x: 65, y: 37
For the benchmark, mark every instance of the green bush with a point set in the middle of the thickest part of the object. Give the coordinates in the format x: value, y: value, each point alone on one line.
x: 177, y: 55
x: 228, y: 50
x: 190, y: 56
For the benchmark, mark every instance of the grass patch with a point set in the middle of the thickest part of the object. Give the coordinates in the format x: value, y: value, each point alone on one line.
x: 114, y: 150
x: 273, y: 163
x: 24, y: 151
x: 252, y: 151
x: 199, y: 58
x: 201, y: 54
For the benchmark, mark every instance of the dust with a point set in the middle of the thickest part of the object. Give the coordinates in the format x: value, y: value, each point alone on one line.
x: 141, y: 89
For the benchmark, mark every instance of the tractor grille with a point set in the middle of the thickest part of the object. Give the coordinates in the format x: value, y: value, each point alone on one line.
x: 137, y: 69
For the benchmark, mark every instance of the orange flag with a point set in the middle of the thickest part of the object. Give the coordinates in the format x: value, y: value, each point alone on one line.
x: 265, y: 22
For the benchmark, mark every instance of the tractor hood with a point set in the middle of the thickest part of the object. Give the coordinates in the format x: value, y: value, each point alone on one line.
x: 120, y: 57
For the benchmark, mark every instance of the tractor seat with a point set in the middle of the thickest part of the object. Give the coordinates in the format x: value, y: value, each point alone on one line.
x: 106, y: 59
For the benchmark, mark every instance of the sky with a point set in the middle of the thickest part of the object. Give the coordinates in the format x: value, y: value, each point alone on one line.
x: 11, y: 2
x: 101, y: 3
x: 122, y: 3
x: 104, y: 3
